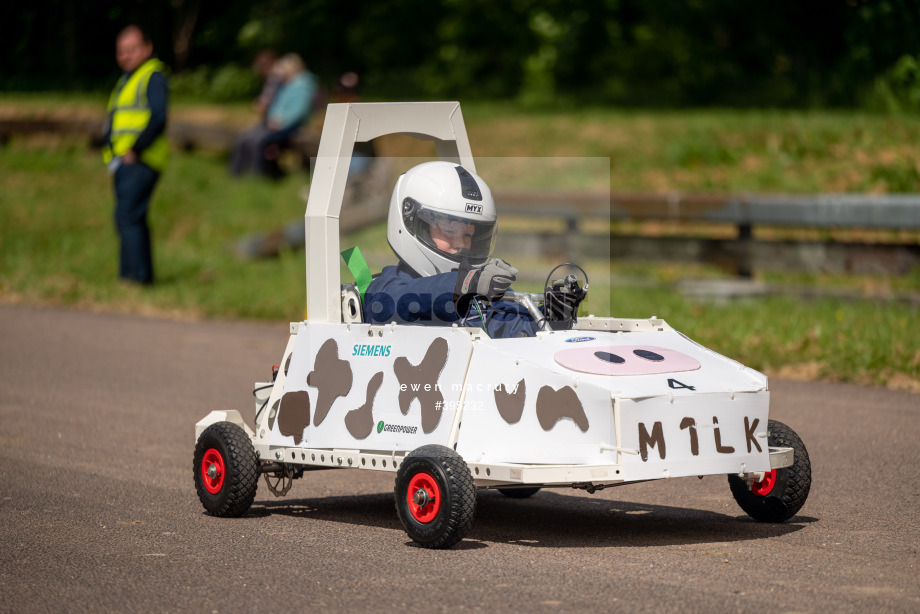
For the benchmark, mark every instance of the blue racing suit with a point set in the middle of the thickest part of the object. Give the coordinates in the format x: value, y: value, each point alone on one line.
x: 398, y: 294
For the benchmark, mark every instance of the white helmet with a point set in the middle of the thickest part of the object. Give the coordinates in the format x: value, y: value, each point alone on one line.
x: 453, y: 203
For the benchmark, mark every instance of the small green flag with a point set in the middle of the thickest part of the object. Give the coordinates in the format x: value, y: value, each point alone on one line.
x: 356, y: 263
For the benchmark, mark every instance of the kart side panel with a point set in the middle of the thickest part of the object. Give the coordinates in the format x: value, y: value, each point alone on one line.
x: 391, y: 388
x: 520, y: 412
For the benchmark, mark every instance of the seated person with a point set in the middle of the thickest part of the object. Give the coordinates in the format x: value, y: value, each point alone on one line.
x: 257, y: 148
x: 264, y: 66
x: 441, y: 226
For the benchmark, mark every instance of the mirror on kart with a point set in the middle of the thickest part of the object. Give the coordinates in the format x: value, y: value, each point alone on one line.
x: 559, y: 300
x: 563, y: 296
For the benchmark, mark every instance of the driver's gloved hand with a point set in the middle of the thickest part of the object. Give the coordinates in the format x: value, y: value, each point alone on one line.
x: 490, y: 281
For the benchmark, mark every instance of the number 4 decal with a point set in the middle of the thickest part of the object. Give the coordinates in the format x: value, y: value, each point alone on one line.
x: 676, y: 385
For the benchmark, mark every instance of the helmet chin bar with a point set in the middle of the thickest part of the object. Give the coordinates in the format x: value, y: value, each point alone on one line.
x: 452, y: 262
x: 440, y: 262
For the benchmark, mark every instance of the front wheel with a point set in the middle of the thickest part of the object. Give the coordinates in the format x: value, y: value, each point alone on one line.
x: 226, y: 470
x: 435, y: 496
x: 782, y: 492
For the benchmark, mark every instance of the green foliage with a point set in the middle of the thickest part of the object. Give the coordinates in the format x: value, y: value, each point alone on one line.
x: 229, y: 83
x: 539, y: 83
x: 898, y: 89
x: 541, y: 53
x: 263, y: 32
x: 900, y: 176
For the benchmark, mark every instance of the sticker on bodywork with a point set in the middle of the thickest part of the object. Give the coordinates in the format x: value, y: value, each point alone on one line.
x: 625, y: 360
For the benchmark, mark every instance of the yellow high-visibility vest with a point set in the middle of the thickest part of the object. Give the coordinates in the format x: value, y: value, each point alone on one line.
x: 129, y: 111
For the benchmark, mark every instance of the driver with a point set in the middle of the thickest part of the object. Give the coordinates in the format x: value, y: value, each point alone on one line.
x: 441, y: 226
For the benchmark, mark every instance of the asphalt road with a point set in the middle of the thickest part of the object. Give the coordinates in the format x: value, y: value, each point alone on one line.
x: 98, y: 510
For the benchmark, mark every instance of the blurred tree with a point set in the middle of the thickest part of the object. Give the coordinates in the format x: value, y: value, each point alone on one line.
x: 185, y: 16
x: 542, y: 52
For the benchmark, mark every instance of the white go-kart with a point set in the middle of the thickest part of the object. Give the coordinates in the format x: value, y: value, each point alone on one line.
x: 450, y: 411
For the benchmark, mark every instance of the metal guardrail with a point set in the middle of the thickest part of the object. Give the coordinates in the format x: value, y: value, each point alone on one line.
x: 890, y: 211
x: 742, y: 254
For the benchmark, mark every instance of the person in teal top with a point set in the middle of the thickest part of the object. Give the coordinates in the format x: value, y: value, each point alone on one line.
x: 291, y: 104
x: 256, y: 149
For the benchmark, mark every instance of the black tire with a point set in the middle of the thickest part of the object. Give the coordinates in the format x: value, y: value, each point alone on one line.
x: 229, y: 493
x: 791, y: 487
x: 440, y: 472
x: 520, y: 493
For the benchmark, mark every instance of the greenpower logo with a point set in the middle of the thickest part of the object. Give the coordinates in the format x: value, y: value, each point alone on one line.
x: 396, y: 428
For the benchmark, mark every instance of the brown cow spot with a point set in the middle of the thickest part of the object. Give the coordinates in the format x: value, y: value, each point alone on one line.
x: 294, y: 414
x: 331, y: 377
x: 421, y: 382
x: 556, y: 405
x: 360, y: 422
x: 511, y: 404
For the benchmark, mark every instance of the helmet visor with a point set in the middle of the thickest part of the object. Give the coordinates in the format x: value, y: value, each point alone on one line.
x: 456, y: 238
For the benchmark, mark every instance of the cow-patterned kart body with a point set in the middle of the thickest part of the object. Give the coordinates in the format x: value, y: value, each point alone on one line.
x: 450, y: 410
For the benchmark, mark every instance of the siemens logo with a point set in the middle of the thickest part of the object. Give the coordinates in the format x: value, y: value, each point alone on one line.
x: 370, y: 350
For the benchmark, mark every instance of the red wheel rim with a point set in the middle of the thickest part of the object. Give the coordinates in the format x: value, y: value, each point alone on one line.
x: 765, y: 486
x: 212, y: 471
x: 424, y: 497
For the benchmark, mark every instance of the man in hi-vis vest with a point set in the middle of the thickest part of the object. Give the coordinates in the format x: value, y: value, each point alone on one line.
x: 136, y: 148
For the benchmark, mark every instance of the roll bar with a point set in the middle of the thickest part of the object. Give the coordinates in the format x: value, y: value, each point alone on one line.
x: 355, y: 122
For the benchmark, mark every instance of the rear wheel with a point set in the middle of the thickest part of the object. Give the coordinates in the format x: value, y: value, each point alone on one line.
x: 520, y: 493
x: 782, y: 492
x: 435, y: 496
x: 226, y: 470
